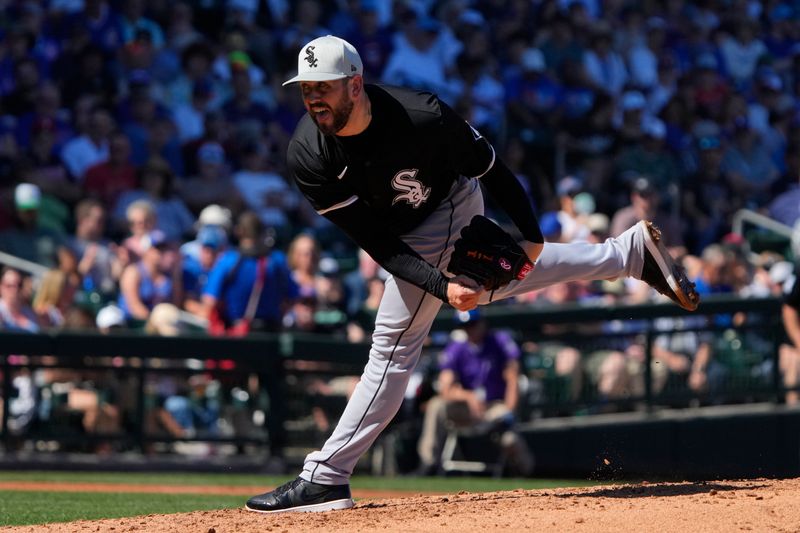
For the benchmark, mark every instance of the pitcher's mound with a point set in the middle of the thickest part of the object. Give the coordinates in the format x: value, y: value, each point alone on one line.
x: 752, y: 505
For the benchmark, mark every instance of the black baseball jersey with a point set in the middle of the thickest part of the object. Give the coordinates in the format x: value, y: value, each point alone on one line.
x: 402, y: 166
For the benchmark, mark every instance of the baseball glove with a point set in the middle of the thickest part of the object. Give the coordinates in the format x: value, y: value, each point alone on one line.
x: 488, y: 255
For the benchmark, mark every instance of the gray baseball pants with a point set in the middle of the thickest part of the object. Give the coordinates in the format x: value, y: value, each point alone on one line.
x: 406, y: 313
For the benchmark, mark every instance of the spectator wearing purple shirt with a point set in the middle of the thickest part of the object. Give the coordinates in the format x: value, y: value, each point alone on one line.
x: 478, y: 383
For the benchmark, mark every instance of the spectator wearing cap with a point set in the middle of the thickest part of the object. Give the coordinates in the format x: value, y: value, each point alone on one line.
x: 91, y: 148
x: 28, y: 239
x: 109, y: 318
x: 650, y: 157
x: 604, y: 66
x: 749, y: 166
x: 550, y: 226
x: 573, y: 224
x: 212, y: 216
x: 109, y: 179
x: 251, y: 272
x: 212, y: 242
x: 151, y: 280
x: 173, y: 218
x: 645, y: 203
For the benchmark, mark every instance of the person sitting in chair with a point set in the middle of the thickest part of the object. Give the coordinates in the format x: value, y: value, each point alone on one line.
x: 478, y: 384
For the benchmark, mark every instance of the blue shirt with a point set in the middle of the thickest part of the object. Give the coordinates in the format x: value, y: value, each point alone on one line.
x: 278, y: 285
x: 481, y: 366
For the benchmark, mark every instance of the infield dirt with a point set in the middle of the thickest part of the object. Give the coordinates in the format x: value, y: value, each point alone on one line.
x: 752, y: 505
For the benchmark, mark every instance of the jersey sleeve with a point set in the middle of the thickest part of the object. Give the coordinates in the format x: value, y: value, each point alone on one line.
x: 326, y: 193
x: 469, y: 152
x: 791, y: 295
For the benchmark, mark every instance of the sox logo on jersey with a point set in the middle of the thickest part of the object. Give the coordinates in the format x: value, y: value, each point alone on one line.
x: 412, y: 190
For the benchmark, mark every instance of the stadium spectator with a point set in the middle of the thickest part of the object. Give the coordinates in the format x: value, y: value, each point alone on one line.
x: 28, y: 239
x: 213, y: 215
x: 109, y: 179
x: 15, y: 313
x: 265, y: 192
x: 249, y: 289
x: 157, y: 186
x: 708, y: 199
x: 645, y: 198
x: 573, y: 226
x: 213, y: 183
x: 54, y: 297
x: 212, y: 241
x: 98, y: 263
x: 90, y: 148
x: 789, y: 354
x: 42, y: 166
x: 303, y: 258
x: 749, y: 166
x: 478, y: 383
x: 604, y: 66
x: 151, y: 280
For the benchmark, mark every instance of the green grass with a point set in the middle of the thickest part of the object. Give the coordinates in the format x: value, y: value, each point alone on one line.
x: 27, y: 507
x: 18, y: 508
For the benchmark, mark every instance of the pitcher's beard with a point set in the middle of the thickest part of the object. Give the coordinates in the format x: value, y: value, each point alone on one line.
x: 340, y: 115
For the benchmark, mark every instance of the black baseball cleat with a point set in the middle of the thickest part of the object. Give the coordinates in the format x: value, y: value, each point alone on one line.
x: 301, y: 496
x: 662, y: 273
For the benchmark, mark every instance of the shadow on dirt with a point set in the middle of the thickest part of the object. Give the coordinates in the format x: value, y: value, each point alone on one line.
x: 661, y: 489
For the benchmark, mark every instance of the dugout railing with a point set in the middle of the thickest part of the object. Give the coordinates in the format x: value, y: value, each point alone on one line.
x: 280, y: 387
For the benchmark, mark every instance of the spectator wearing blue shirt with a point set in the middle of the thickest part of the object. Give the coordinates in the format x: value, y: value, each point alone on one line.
x: 233, y: 282
x: 478, y: 383
x: 211, y: 242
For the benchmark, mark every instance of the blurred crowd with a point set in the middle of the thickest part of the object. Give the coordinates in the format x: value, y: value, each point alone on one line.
x: 143, y: 179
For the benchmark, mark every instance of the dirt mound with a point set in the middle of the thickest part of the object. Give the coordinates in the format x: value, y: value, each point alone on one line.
x: 752, y: 505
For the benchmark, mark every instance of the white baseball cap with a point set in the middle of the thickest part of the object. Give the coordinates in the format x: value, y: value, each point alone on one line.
x: 27, y: 196
x: 327, y: 58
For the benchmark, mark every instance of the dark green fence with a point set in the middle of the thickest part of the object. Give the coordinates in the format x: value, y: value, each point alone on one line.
x: 269, y: 389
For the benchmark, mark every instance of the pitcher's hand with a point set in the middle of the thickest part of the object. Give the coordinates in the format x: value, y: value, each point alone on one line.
x: 463, y: 293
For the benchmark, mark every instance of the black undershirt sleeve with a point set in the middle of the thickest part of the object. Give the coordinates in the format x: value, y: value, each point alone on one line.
x: 507, y: 191
x: 363, y: 226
